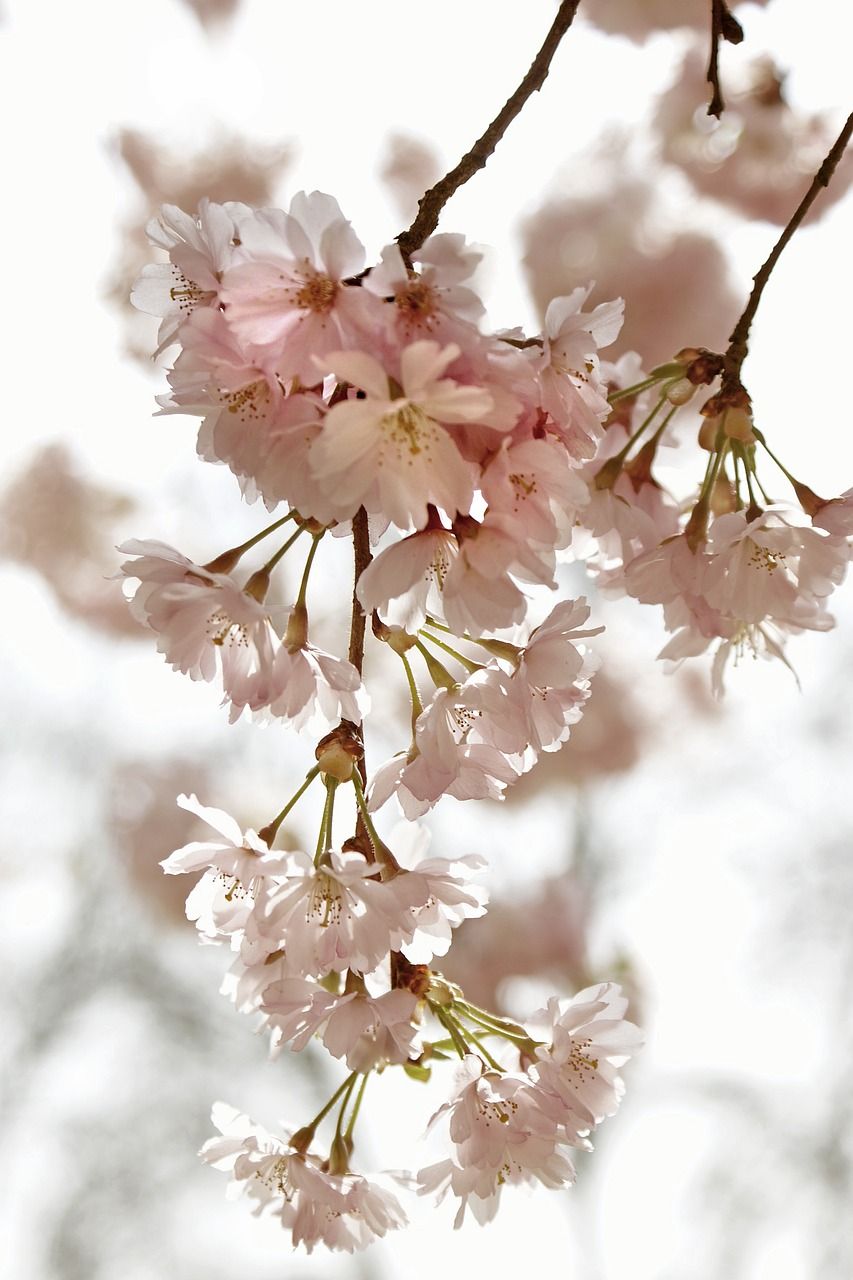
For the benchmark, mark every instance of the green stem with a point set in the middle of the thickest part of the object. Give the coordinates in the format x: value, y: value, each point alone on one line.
x: 467, y: 663
x: 356, y: 1106
x: 273, y: 560
x: 321, y: 1115
x: 350, y: 1087
x: 324, y: 838
x: 269, y: 832
x: 499, y: 1026
x: 624, y: 393
x: 450, y: 1024
x: 485, y: 1053
x: 417, y: 705
x: 306, y: 573
x: 440, y: 676
x: 384, y: 855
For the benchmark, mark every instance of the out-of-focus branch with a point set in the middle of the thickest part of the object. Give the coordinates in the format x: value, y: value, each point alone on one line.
x: 724, y: 26
x: 431, y: 204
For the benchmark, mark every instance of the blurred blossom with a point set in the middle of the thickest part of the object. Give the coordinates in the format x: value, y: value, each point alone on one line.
x: 760, y: 157
x: 410, y: 167
x: 543, y: 936
x: 675, y: 283
x: 60, y: 524
x: 229, y: 168
x: 639, y: 19
x: 147, y: 824
x: 212, y: 12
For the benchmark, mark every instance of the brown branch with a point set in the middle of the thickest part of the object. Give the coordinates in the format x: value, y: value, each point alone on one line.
x: 431, y: 204
x: 724, y: 26
x: 732, y: 390
x: 362, y: 558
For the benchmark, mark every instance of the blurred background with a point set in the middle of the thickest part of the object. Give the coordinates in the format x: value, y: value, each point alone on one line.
x: 700, y: 853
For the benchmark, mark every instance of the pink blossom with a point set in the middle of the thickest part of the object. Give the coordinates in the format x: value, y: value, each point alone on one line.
x: 198, y: 615
x: 200, y: 248
x: 345, y: 1212
x: 444, y: 886
x: 578, y: 1069
x: 335, y: 916
x: 500, y: 1135
x: 481, y: 589
x: 404, y: 582
x: 394, y: 454
x: 288, y: 292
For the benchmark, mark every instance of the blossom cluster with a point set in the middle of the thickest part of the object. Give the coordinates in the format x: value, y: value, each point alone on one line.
x: 371, y: 402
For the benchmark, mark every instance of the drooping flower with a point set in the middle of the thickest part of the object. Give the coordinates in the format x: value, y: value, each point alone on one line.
x: 344, y: 1211
x: 500, y: 1136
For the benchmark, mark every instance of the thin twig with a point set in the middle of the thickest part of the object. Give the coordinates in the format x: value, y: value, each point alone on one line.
x: 431, y: 204
x: 362, y: 558
x: 724, y: 26
x: 732, y: 390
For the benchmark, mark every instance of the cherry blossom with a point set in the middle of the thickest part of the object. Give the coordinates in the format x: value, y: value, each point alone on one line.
x: 500, y: 1136
x: 394, y: 454
x: 345, y: 1212
x: 287, y: 292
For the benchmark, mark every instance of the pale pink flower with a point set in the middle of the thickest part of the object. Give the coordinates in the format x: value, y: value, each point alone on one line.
x: 337, y: 915
x: 578, y: 1070
x: 434, y: 303
x: 481, y: 590
x: 392, y: 453
x: 445, y: 886
x: 535, y: 486
x: 572, y: 388
x: 551, y: 681
x: 366, y: 1030
x: 307, y: 687
x: 238, y: 856
x: 235, y: 867
x: 762, y: 568
x: 295, y: 1009
x: 198, y: 616
x: 344, y: 1212
x: 450, y: 756
x: 404, y: 582
x: 836, y: 515
x: 200, y: 248
x: 370, y: 1031
x: 500, y: 1135
x: 288, y: 292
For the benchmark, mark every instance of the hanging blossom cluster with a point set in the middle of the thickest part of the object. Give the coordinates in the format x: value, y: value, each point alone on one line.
x: 465, y: 465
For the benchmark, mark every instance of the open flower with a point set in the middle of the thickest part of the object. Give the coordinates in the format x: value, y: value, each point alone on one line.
x: 345, y: 1212
x: 393, y: 453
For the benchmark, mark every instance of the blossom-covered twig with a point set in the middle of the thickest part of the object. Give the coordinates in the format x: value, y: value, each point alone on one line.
x: 434, y: 200
x: 724, y: 26
x: 732, y: 391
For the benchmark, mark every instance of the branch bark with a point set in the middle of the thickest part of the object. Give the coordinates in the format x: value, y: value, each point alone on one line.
x: 431, y: 204
x: 732, y: 390
x: 724, y: 26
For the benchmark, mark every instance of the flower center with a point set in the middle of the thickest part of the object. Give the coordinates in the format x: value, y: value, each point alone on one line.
x: 409, y: 429
x: 317, y: 294
x: 251, y: 403
x: 224, y: 630
x: 325, y: 903
x: 763, y: 558
x: 417, y: 302
x: 187, y: 294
